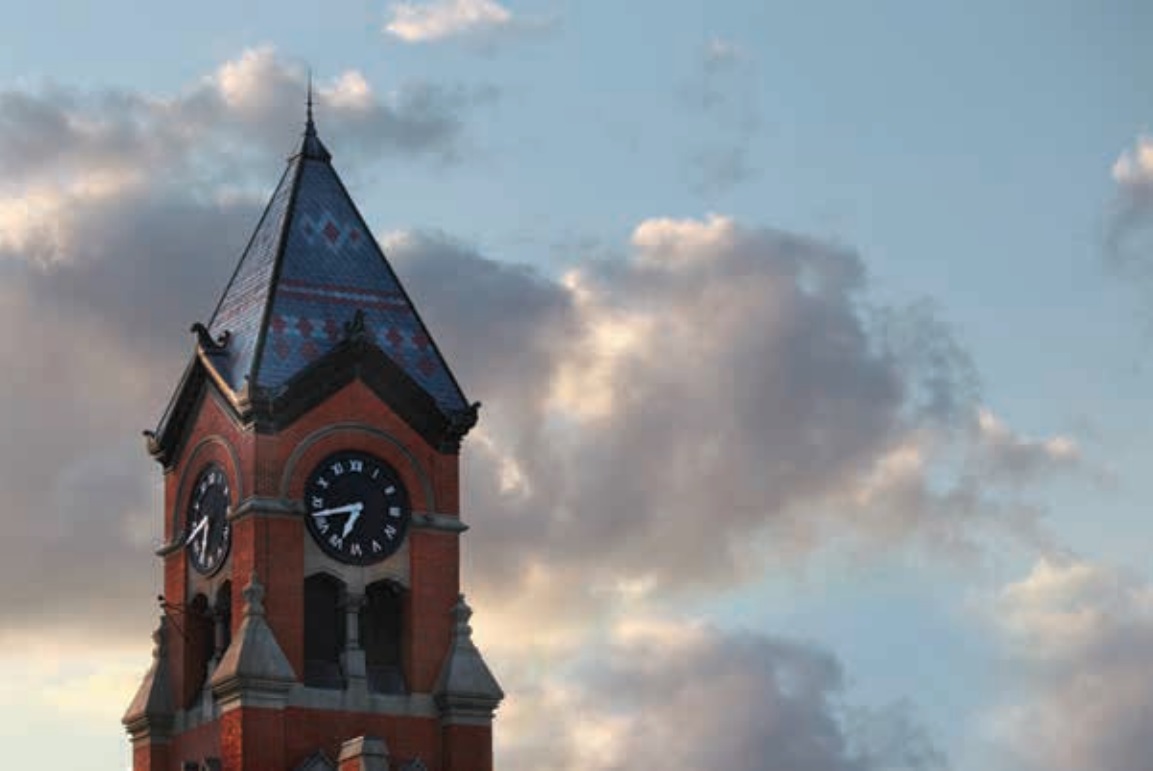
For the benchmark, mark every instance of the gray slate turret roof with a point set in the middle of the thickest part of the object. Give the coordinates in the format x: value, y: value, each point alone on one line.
x: 310, y: 265
x: 312, y: 305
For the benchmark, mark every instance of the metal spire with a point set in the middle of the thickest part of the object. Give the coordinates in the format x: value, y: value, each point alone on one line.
x: 308, y: 126
x: 312, y: 147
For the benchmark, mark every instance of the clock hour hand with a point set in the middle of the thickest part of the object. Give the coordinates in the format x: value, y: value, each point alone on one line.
x: 351, y: 521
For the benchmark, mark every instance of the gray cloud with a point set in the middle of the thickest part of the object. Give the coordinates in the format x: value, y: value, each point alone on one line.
x: 224, y: 130
x: 700, y: 698
x: 721, y: 98
x: 721, y: 385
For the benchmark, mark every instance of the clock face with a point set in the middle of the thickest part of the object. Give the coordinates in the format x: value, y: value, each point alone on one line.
x: 357, y: 508
x: 209, y: 533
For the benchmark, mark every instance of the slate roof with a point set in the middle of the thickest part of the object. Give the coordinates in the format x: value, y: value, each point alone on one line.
x: 310, y: 266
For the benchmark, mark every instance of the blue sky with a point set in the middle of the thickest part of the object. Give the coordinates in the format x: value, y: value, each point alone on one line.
x: 974, y: 174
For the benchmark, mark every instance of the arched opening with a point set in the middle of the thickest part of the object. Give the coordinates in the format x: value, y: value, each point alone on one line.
x: 222, y: 615
x: 198, y: 636
x: 380, y: 636
x: 324, y: 626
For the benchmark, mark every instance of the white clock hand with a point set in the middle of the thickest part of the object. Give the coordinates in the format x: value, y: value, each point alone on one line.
x: 347, y: 509
x: 201, y: 525
x: 351, y: 522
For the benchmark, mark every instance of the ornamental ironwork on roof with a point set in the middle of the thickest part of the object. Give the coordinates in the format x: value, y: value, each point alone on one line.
x: 311, y: 276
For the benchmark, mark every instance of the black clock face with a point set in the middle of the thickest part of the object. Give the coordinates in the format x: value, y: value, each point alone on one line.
x: 209, y: 534
x: 357, y: 508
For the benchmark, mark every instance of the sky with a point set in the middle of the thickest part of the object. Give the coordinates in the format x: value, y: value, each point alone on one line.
x: 814, y: 343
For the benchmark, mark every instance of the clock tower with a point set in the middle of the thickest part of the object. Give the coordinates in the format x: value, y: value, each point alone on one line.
x: 312, y: 609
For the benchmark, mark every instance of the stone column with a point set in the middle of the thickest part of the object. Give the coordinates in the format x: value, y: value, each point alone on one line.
x: 352, y: 658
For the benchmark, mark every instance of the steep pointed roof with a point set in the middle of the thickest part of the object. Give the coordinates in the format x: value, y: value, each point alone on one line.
x: 314, y: 304
x: 310, y: 266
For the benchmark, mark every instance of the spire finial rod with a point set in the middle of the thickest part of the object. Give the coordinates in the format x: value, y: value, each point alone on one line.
x: 311, y: 147
x: 309, y: 101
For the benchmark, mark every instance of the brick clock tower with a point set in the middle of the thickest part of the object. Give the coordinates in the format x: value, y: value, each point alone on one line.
x: 312, y: 609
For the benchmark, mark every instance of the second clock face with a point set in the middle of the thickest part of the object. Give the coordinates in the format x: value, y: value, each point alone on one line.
x: 209, y: 532
x: 357, y: 508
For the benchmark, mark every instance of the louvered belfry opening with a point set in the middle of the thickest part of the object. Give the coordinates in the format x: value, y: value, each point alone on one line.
x: 222, y: 615
x: 324, y: 632
x: 200, y: 641
x: 381, y: 620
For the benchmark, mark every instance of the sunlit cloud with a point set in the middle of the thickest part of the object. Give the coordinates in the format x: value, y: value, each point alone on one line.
x: 440, y: 19
x: 1079, y: 640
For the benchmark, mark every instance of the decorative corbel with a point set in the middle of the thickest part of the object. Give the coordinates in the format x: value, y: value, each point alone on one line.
x: 205, y: 341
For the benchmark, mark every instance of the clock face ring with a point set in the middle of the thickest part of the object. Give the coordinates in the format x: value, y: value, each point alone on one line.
x: 208, y: 533
x: 356, y: 507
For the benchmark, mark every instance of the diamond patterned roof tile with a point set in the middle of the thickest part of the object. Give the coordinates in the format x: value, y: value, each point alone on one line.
x: 310, y: 266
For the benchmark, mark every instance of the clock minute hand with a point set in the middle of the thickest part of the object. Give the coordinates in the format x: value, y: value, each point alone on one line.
x: 201, y: 525
x: 351, y: 508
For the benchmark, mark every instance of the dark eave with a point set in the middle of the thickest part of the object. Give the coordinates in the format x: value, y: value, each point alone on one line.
x: 355, y: 357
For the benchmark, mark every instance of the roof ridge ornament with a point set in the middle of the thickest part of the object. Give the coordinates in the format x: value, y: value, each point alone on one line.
x: 355, y: 331
x: 205, y: 340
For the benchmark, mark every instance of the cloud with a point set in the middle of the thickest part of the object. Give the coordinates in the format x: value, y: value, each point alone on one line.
x: 719, y: 384
x: 721, y: 53
x: 1003, y: 455
x: 721, y: 98
x: 67, y: 151
x: 1129, y: 228
x: 441, y: 19
x: 697, y: 697
x: 1079, y: 637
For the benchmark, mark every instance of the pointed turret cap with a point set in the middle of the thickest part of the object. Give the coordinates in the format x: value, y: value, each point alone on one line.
x: 153, y: 707
x: 466, y: 687
x: 310, y: 266
x: 254, y: 663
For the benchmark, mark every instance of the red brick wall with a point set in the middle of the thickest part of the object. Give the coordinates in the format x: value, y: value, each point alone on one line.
x: 150, y: 757
x: 435, y: 586
x: 252, y: 738
x: 196, y: 744
x: 467, y: 748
